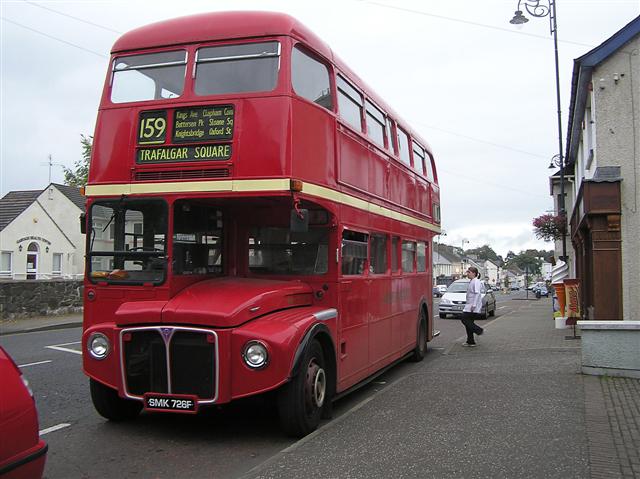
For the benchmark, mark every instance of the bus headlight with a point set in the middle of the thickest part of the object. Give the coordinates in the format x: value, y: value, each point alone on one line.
x: 255, y: 355
x: 98, y: 346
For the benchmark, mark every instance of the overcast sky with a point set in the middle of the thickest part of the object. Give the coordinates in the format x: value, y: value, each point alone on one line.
x: 481, y: 91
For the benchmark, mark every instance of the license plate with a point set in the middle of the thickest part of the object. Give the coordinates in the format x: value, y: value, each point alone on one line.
x: 458, y: 307
x: 171, y: 403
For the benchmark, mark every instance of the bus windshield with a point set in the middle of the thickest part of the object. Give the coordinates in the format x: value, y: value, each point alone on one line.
x: 128, y: 241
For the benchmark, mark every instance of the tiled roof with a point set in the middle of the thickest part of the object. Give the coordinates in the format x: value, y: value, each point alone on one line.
x: 14, y: 203
x: 73, y: 193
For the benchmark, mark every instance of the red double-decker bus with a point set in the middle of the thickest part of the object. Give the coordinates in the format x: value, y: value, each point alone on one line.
x: 257, y: 220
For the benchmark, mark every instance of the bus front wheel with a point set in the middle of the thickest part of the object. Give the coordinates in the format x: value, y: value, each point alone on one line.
x: 301, y: 400
x: 111, y: 406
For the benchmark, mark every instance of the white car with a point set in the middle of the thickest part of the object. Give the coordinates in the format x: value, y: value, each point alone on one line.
x: 453, y: 301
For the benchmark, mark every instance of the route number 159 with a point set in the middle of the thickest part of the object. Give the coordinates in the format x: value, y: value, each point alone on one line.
x: 153, y: 127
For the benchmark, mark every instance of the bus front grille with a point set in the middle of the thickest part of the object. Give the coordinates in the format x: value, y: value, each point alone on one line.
x: 151, y: 175
x: 170, y: 360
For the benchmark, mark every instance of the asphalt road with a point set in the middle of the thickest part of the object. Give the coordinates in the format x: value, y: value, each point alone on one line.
x: 222, y: 443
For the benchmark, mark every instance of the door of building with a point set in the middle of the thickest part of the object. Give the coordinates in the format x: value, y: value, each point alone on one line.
x: 32, y: 261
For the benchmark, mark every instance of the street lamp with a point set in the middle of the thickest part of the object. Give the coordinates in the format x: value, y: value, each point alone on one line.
x: 540, y: 9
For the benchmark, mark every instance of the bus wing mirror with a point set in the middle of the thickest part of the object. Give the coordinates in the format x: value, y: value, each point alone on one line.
x: 299, y: 221
x: 83, y: 223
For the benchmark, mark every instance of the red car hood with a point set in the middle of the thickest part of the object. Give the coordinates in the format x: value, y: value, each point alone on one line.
x: 228, y: 302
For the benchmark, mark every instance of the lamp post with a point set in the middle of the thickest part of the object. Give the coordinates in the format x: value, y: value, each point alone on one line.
x: 540, y: 9
x: 442, y: 233
x: 464, y: 240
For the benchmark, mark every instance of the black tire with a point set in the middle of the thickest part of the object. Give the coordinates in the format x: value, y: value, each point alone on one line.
x: 493, y: 311
x: 301, y: 401
x: 484, y: 313
x: 443, y: 316
x: 111, y: 406
x: 421, y: 341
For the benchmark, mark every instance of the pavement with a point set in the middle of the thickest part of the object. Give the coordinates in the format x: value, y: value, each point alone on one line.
x: 39, y: 323
x: 514, y: 406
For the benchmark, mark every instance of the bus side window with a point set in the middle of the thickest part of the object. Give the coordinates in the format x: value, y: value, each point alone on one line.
x: 378, y: 261
x: 408, y: 256
x: 395, y: 241
x: 422, y: 257
x: 310, y: 78
x: 350, y: 104
x: 389, y: 136
x: 403, y: 146
x: 419, y: 159
x: 354, y: 252
x: 375, y: 124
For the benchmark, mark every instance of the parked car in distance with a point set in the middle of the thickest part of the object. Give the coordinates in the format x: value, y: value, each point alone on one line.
x: 542, y: 291
x: 22, y: 452
x: 453, y: 301
x: 439, y: 290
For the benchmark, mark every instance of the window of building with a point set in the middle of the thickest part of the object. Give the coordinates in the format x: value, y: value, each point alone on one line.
x: 354, y: 252
x: 403, y: 146
x: 408, y: 256
x: 310, y: 78
x: 378, y: 261
x: 421, y: 261
x: 6, y: 263
x: 150, y: 76
x: 375, y: 123
x: 395, y: 241
x: 248, y: 67
x: 350, y: 104
x: 56, y: 268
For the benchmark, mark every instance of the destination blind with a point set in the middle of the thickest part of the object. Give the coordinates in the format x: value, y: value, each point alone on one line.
x: 183, y: 153
x: 209, y: 123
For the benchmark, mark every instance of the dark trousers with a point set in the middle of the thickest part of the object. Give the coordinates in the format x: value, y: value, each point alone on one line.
x: 471, y: 327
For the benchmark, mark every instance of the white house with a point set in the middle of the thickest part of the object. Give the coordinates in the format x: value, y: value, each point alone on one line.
x: 603, y: 153
x: 490, y: 272
x: 40, y: 234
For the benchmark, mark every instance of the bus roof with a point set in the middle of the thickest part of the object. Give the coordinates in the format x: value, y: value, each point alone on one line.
x: 206, y: 27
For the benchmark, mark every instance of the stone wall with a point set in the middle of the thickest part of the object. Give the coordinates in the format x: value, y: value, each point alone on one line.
x: 20, y: 299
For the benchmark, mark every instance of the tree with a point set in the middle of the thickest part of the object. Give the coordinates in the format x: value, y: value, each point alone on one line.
x: 527, y: 262
x: 80, y: 172
x: 484, y: 252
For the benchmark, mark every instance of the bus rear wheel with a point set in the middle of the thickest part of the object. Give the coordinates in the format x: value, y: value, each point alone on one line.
x: 301, y: 400
x: 421, y: 342
x: 111, y: 406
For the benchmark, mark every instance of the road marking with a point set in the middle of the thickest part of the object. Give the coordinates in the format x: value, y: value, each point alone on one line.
x: 34, y: 364
x: 59, y: 347
x: 502, y: 307
x: 54, y: 428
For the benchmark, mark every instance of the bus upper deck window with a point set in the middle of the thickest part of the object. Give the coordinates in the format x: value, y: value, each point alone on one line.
x: 151, y: 76
x: 310, y: 78
x: 248, y: 67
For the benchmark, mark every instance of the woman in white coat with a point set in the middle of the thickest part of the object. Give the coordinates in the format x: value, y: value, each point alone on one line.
x: 473, y: 307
